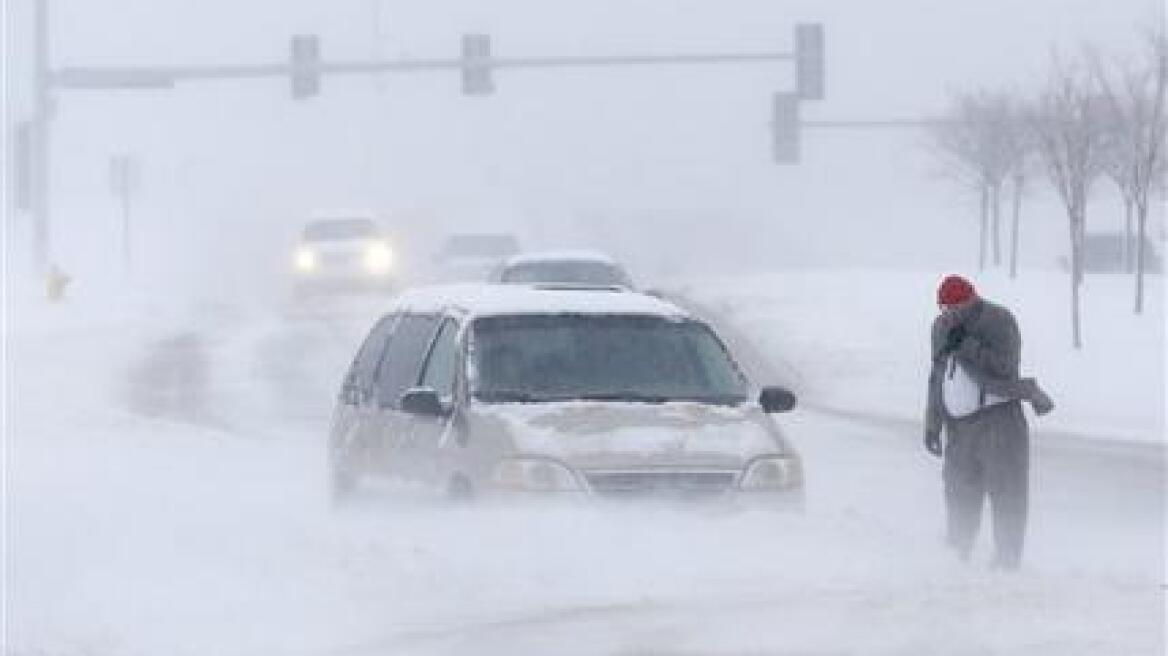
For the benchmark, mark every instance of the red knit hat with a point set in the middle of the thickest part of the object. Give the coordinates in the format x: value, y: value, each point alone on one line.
x: 955, y: 290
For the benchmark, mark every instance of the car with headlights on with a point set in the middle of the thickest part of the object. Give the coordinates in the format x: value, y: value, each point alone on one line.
x: 343, y: 253
x: 498, y: 391
x: 565, y: 268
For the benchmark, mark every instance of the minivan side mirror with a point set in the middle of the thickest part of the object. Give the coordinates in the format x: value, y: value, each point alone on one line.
x: 423, y: 401
x: 776, y: 399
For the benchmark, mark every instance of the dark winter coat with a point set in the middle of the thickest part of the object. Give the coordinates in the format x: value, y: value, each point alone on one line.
x: 991, y: 353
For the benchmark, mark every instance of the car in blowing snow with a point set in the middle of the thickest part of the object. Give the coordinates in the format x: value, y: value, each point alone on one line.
x: 473, y: 257
x: 343, y: 253
x: 502, y: 391
x: 564, y: 268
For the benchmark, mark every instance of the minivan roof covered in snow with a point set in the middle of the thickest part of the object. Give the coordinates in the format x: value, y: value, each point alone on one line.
x: 492, y: 300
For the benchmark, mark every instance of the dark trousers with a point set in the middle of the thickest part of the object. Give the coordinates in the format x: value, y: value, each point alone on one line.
x: 988, y: 453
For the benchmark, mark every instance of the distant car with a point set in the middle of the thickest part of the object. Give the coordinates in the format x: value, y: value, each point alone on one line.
x: 1108, y: 253
x: 344, y: 253
x: 565, y: 268
x: 498, y: 391
x: 474, y: 257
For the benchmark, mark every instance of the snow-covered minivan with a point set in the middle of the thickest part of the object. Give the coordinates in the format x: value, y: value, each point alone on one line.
x: 497, y: 390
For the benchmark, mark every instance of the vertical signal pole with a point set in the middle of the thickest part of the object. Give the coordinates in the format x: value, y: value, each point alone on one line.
x: 39, y: 143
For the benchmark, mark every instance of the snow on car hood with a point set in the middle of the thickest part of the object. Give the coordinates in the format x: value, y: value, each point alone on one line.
x: 607, y: 434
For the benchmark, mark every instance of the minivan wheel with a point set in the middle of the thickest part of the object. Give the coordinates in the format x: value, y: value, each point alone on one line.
x: 459, y: 489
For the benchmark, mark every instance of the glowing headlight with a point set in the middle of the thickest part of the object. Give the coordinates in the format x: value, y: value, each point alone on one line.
x: 305, y: 259
x: 773, y: 473
x: 534, y: 475
x: 378, y: 258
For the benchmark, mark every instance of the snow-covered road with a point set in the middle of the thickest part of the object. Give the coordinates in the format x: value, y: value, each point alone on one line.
x: 166, y: 496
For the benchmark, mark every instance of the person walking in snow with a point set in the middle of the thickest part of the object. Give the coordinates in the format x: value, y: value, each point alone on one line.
x: 975, y: 394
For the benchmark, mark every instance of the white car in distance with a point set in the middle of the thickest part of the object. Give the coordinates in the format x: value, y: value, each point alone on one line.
x: 564, y: 269
x: 473, y: 257
x: 343, y: 253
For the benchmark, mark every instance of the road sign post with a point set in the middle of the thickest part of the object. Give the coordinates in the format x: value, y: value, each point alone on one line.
x: 124, y: 179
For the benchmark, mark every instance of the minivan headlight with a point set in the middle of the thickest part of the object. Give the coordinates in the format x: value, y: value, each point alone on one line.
x: 534, y: 474
x: 772, y: 472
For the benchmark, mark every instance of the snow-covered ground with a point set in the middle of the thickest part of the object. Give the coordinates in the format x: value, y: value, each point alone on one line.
x: 165, y: 495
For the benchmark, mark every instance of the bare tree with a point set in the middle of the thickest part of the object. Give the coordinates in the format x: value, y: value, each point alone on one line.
x: 1117, y: 168
x: 981, y: 145
x: 1019, y: 147
x: 1134, y: 97
x: 1019, y: 181
x: 1068, y: 125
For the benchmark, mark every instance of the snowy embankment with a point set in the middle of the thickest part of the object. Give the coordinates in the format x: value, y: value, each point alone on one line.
x: 857, y: 341
x: 165, y: 495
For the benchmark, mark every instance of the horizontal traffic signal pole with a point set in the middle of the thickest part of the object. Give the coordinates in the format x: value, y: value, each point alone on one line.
x: 865, y: 124
x: 85, y: 77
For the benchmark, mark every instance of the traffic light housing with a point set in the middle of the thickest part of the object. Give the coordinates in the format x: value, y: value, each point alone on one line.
x: 476, y: 65
x: 786, y: 128
x: 305, y: 66
x: 809, y: 67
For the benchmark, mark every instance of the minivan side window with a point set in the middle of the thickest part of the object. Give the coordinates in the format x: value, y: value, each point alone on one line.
x: 365, y: 362
x: 442, y: 364
x: 403, y: 357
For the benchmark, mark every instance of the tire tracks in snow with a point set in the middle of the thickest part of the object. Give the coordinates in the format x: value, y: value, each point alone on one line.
x: 172, y: 381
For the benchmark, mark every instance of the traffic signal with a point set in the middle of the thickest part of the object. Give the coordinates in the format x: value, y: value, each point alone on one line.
x: 305, y: 66
x: 809, y: 60
x: 476, y: 65
x: 786, y: 128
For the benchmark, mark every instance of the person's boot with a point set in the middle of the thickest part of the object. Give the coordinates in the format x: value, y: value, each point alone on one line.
x: 963, y: 551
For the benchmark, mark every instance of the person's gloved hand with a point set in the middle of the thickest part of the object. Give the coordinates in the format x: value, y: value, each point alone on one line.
x: 953, y: 339
x: 933, y: 442
x: 1039, y: 399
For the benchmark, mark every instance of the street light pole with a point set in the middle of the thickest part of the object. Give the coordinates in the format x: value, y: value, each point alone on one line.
x: 40, y: 145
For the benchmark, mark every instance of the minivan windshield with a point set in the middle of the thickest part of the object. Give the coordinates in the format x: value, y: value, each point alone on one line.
x: 535, y: 358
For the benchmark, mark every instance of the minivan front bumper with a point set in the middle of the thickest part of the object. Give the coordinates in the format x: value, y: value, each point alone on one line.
x: 543, y: 478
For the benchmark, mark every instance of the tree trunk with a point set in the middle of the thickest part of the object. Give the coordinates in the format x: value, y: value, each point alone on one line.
x: 996, y: 209
x: 1080, y: 236
x: 1128, y: 255
x: 1076, y: 316
x: 1141, y: 234
x: 983, y: 228
x: 1014, y: 229
x: 1077, y: 221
